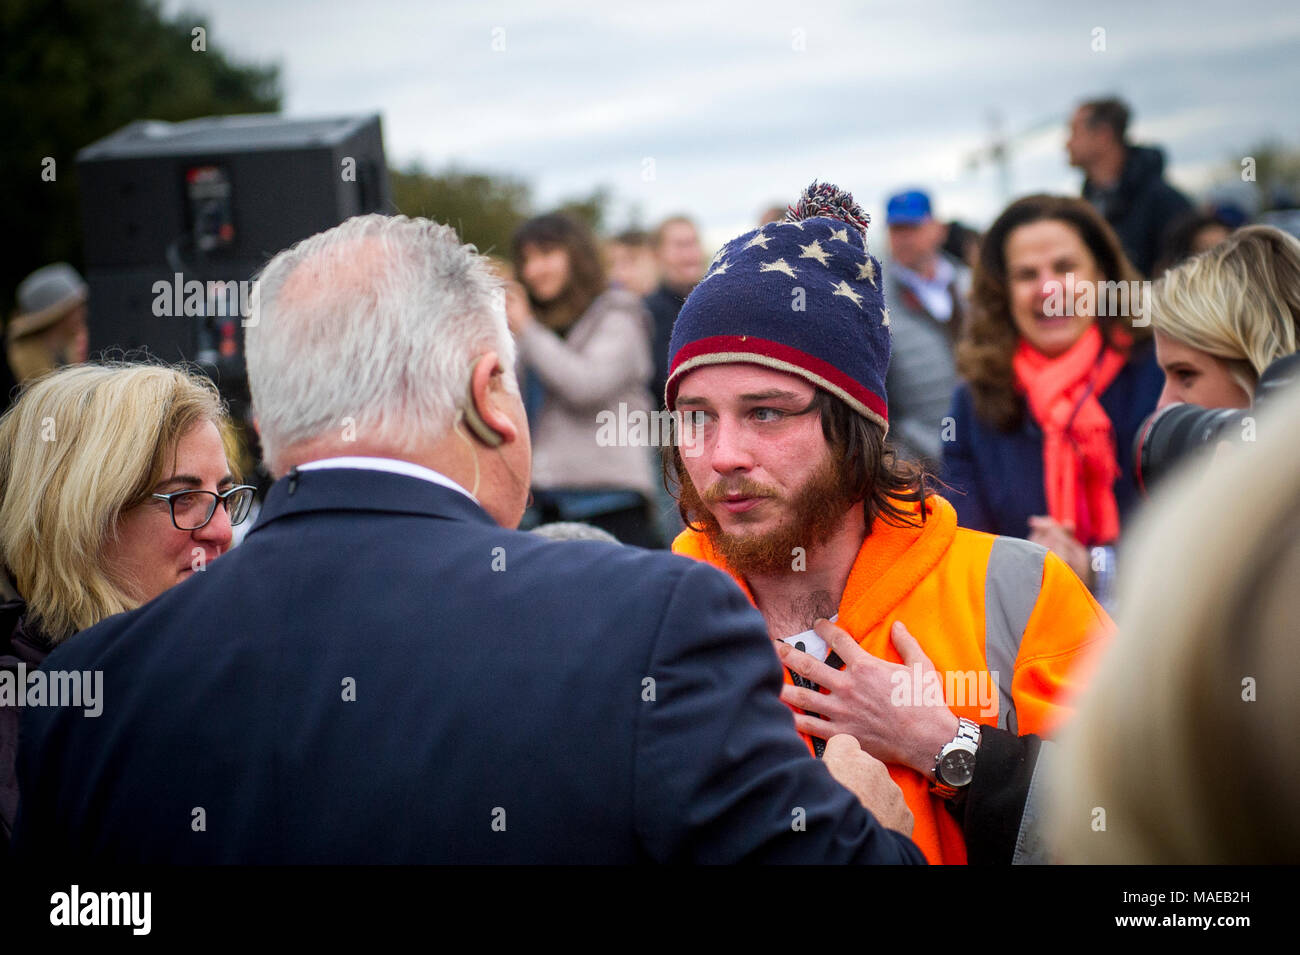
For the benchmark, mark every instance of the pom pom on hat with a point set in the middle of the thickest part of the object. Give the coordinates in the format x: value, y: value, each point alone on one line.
x: 825, y: 199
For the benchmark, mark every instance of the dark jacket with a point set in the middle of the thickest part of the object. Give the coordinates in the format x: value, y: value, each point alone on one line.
x: 380, y: 673
x: 997, y: 476
x: 664, y: 304
x: 19, y: 644
x: 1140, y: 206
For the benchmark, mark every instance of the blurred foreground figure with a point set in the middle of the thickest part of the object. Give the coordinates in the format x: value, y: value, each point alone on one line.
x: 385, y: 671
x: 1184, y: 749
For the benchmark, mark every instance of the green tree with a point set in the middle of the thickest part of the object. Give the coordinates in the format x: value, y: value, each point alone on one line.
x: 74, y: 71
x: 482, y: 208
x: 589, y: 208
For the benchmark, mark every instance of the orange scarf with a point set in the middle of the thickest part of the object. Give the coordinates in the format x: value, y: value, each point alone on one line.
x: 1080, y: 463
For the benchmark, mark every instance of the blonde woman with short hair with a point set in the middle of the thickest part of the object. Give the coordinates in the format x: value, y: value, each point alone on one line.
x: 114, y: 486
x: 1224, y: 316
x: 1183, y: 749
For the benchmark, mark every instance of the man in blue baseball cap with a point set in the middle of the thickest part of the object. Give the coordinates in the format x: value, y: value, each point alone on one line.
x: 925, y: 291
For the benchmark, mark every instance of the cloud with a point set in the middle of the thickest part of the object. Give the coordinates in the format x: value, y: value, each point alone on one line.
x: 742, y: 103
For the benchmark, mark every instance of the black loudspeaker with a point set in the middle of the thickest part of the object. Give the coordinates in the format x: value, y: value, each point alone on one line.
x: 179, y: 217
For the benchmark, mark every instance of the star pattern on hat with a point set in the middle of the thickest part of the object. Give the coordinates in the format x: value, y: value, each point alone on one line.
x: 884, y: 316
x: 844, y: 289
x: 717, y: 269
x: 867, y: 270
x: 780, y: 265
x: 749, y: 311
x: 814, y: 250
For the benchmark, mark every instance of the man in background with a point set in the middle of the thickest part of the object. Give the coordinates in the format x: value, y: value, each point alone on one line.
x: 676, y: 245
x: 1124, y: 182
x: 631, y: 262
x: 925, y: 292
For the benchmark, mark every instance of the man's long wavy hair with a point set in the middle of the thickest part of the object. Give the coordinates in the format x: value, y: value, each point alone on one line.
x: 871, y: 470
x: 990, y: 340
x: 586, y: 272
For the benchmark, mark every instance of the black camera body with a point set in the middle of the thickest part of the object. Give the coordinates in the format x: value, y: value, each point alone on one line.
x: 1170, y: 434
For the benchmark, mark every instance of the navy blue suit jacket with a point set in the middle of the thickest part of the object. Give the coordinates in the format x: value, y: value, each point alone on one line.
x: 515, y: 700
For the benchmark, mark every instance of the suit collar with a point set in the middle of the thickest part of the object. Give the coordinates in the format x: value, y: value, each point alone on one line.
x: 350, y: 489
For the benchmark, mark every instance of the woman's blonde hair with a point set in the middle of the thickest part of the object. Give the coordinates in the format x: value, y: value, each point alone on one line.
x: 79, y: 447
x: 1184, y: 747
x: 1239, y: 301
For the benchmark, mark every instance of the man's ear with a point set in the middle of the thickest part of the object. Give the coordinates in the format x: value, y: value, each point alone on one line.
x: 488, y: 394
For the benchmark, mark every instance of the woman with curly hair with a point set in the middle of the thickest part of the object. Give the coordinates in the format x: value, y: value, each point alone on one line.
x: 1059, y: 373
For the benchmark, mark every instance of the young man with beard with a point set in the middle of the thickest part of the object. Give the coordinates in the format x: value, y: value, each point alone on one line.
x: 777, y: 367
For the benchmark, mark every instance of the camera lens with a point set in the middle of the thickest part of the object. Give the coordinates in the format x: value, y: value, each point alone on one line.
x: 1175, y: 430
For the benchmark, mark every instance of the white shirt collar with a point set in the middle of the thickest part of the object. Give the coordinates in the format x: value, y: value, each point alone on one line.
x: 943, y: 275
x: 391, y: 465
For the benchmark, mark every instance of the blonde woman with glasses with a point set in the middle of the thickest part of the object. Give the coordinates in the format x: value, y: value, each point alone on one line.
x: 115, y: 485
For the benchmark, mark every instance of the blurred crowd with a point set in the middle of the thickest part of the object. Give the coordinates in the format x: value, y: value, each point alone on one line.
x: 1026, y: 374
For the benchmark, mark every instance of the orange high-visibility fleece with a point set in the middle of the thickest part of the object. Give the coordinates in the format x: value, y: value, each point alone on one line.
x: 976, y: 603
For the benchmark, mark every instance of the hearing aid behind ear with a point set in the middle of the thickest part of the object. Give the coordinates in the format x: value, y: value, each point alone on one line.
x: 482, y: 430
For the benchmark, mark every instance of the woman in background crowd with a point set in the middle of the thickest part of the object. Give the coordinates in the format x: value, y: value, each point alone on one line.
x: 585, y: 351
x: 1223, y: 317
x: 114, y: 486
x: 1056, y: 386
x: 1183, y: 750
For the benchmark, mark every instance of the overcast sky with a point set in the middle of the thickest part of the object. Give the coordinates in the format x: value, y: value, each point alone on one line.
x: 719, y: 109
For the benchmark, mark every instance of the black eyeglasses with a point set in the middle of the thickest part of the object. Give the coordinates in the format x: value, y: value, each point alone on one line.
x: 193, y: 509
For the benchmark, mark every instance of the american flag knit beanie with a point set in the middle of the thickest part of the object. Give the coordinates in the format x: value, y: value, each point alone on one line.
x: 801, y: 295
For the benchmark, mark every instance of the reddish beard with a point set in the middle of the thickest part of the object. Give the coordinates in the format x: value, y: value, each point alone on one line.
x: 813, y: 514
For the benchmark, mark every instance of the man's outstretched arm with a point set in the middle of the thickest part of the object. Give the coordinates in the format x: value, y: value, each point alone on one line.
x: 721, y: 775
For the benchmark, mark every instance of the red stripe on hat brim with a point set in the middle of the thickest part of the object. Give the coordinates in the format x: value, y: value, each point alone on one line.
x: 734, y: 348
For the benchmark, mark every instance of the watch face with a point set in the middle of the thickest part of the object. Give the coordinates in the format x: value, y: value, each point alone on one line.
x: 956, y: 768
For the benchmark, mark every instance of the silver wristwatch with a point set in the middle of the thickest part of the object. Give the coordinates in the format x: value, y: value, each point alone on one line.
x: 954, y: 767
